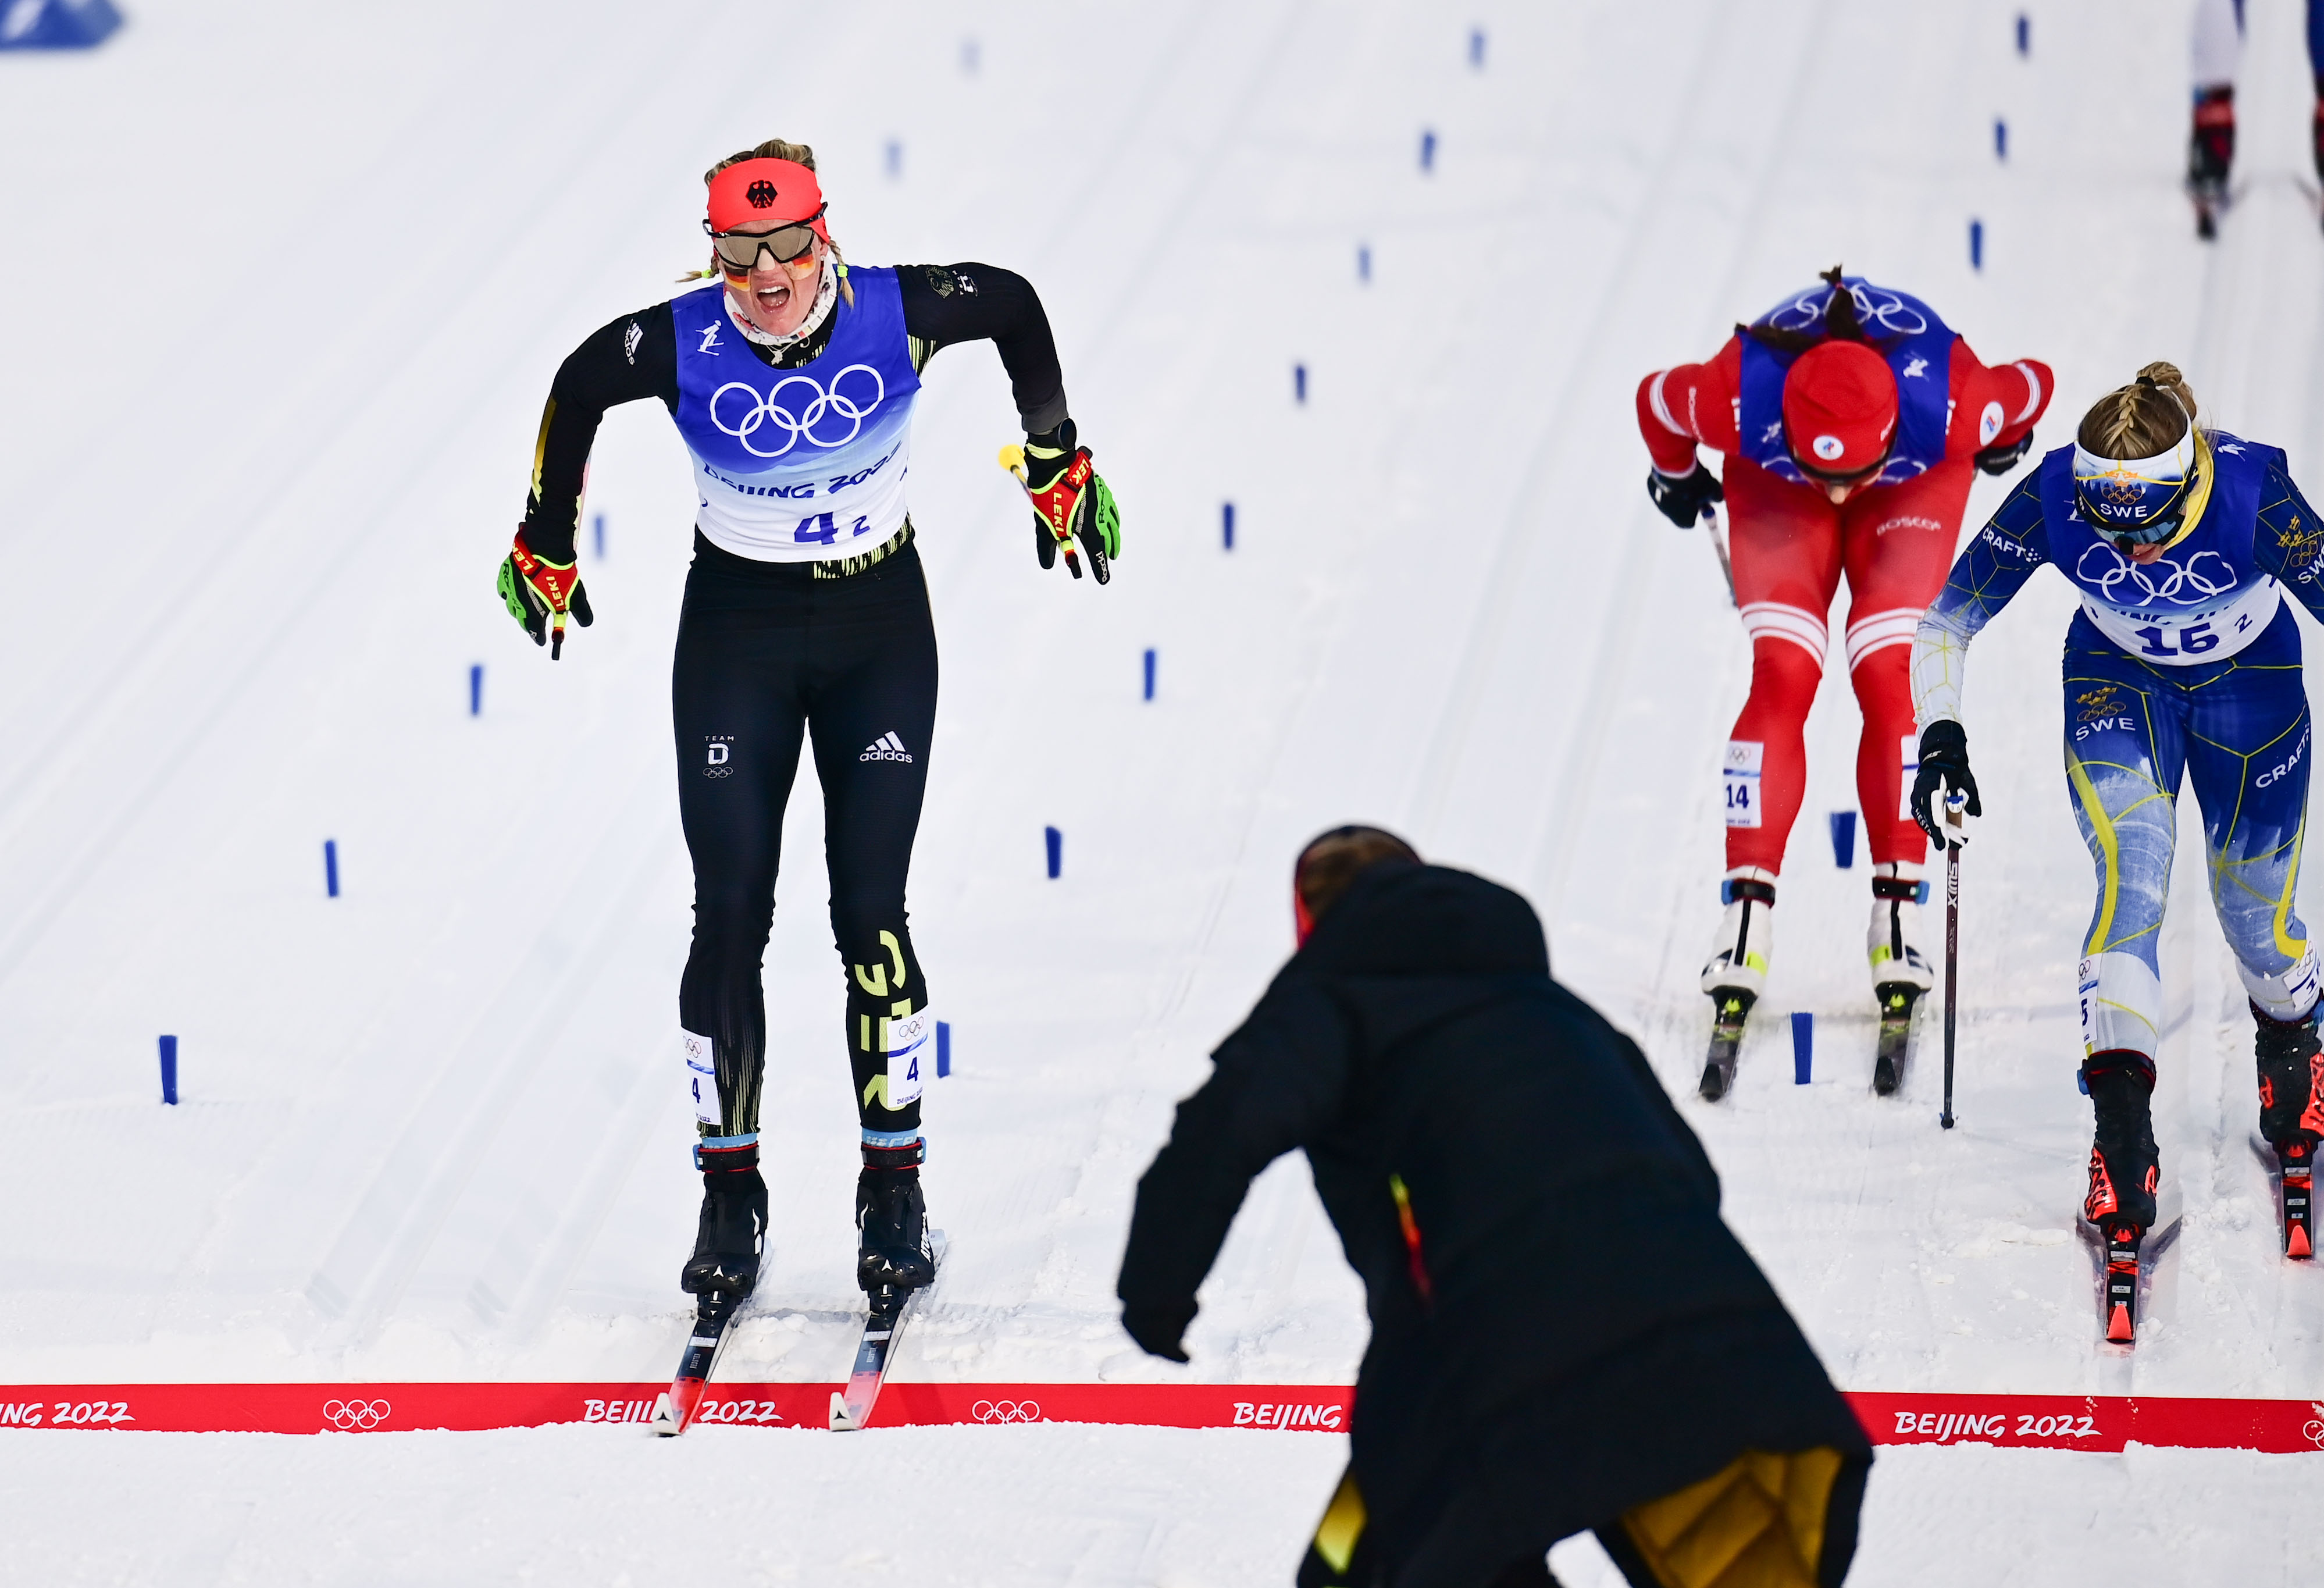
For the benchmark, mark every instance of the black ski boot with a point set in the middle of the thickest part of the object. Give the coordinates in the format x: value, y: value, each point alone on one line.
x: 2292, y: 1117
x: 2211, y: 154
x: 2124, y: 1175
x: 2124, y: 1171
x: 730, y: 1236
x: 891, y: 1221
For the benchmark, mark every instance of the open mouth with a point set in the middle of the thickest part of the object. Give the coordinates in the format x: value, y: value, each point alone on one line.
x: 772, y: 299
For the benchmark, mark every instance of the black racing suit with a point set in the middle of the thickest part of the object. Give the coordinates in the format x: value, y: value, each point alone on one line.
x: 770, y: 653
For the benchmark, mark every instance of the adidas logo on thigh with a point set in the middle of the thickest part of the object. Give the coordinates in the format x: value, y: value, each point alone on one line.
x: 886, y: 747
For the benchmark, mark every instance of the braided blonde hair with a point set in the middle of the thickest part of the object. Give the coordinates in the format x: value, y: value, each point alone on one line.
x: 798, y: 154
x: 2151, y: 415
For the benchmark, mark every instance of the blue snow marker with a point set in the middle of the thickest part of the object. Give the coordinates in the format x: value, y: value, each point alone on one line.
x: 56, y: 24
x: 970, y: 56
x: 1299, y: 383
x: 598, y: 529
x: 895, y: 159
x: 1843, y: 839
x: 1226, y: 523
x: 169, y: 1070
x: 1150, y: 672
x: 2000, y: 139
x: 1056, y: 843
x: 1428, y: 151
x: 1363, y: 263
x: 1476, y: 47
x: 1976, y: 244
x: 475, y: 689
x: 331, y: 866
x: 943, y: 1048
x: 1803, y: 1047
x: 2024, y: 35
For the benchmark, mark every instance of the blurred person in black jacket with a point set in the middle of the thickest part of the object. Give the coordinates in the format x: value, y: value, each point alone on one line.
x: 1565, y: 1336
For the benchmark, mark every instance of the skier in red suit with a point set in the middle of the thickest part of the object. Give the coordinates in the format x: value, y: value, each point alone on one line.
x: 1850, y: 417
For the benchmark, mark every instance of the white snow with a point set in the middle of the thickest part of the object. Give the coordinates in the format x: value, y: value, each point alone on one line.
x: 285, y: 287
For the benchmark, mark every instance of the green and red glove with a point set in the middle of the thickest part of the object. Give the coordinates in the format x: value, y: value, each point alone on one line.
x: 540, y: 593
x: 1071, y: 501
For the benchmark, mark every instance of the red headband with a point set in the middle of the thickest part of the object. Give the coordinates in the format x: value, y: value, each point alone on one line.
x: 752, y: 192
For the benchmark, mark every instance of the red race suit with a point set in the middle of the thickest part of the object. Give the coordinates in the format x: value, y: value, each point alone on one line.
x: 1790, y: 544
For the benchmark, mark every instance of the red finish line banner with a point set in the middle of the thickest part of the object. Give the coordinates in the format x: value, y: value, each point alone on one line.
x: 2091, y: 1421
x: 363, y: 1409
x: 2046, y: 1422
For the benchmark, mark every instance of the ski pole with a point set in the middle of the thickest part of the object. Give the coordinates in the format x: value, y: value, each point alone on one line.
x: 1717, y: 530
x: 1013, y: 458
x: 1952, y: 949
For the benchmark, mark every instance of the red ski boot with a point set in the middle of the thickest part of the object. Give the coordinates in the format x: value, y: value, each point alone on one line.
x: 2292, y: 1117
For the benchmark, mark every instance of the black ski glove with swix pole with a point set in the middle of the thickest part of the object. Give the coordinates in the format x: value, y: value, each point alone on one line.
x: 1071, y: 501
x: 539, y: 593
x: 1944, y: 771
x: 1684, y: 499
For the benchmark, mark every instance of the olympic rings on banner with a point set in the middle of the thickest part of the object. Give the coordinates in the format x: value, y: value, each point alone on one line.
x: 1876, y: 307
x: 352, y: 1415
x: 2183, y: 585
x: 1006, y: 1411
x: 2313, y: 1429
x: 770, y: 410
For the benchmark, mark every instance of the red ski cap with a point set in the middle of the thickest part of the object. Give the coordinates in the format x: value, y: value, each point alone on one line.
x: 765, y: 192
x: 1840, y: 408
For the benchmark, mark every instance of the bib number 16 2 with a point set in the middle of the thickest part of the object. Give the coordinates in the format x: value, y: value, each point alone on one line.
x: 2193, y: 640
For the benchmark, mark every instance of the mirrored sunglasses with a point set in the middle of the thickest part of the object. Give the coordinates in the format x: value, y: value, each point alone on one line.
x: 739, y: 251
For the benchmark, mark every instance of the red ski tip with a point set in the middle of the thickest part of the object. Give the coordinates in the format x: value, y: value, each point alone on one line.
x: 2297, y: 1246
x: 2118, y: 1324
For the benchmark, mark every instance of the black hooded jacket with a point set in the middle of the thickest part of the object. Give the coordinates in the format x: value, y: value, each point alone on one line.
x: 1570, y: 1329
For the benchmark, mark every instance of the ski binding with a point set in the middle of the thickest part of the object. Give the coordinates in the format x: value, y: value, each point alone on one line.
x: 1898, y: 1000
x: 2127, y: 1256
x: 1730, y: 1007
x: 883, y: 1329
x: 714, y: 1325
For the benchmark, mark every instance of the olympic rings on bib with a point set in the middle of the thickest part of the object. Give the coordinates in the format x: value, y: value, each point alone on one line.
x: 1886, y: 309
x: 351, y: 1415
x: 769, y: 410
x: 2184, y: 584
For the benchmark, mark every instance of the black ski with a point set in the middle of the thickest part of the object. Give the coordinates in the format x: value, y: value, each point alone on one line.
x: 714, y: 1325
x: 1730, y: 1007
x: 1898, y: 1001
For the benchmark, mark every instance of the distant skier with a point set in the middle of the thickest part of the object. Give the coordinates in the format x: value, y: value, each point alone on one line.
x: 1851, y: 420
x: 1564, y: 1333
x: 2183, y: 660
x: 2216, y: 57
x: 793, y: 384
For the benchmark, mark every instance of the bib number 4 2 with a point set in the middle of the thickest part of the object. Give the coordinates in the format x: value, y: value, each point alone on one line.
x: 819, y: 528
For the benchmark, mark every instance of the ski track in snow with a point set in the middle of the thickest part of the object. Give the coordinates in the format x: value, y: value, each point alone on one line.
x: 256, y: 484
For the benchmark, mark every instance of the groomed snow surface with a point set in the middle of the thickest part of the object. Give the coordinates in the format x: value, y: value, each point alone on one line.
x: 286, y: 285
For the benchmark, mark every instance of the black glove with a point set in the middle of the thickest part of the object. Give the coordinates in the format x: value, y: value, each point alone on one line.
x: 1158, y: 1329
x: 1944, y: 760
x: 1999, y: 460
x: 1686, y: 498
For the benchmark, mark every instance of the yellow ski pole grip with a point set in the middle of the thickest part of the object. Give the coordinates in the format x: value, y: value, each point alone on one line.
x: 1013, y: 458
